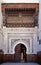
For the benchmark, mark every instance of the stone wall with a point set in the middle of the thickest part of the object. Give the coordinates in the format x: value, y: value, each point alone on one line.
x: 32, y: 58
x: 11, y: 58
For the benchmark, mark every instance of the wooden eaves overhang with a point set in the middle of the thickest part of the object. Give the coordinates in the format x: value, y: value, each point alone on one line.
x: 20, y: 7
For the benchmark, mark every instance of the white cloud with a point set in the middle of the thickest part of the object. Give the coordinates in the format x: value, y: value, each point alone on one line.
x: 21, y: 1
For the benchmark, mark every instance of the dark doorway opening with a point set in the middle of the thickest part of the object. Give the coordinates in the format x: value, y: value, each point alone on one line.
x: 20, y: 53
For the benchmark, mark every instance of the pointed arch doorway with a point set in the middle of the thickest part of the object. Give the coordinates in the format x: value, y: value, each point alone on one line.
x: 20, y: 53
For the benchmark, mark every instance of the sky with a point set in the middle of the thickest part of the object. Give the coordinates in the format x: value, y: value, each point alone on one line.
x: 20, y: 1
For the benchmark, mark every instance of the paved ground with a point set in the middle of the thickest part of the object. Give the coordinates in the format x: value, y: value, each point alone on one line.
x: 19, y: 64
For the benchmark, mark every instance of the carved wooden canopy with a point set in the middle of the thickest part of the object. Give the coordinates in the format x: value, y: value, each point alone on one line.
x: 20, y: 15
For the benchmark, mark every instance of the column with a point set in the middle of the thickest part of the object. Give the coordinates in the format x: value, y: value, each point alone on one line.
x: 5, y: 42
x: 35, y: 43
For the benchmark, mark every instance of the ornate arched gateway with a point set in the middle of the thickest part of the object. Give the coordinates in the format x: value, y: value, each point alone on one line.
x: 20, y: 22
x: 17, y: 43
x: 20, y: 53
